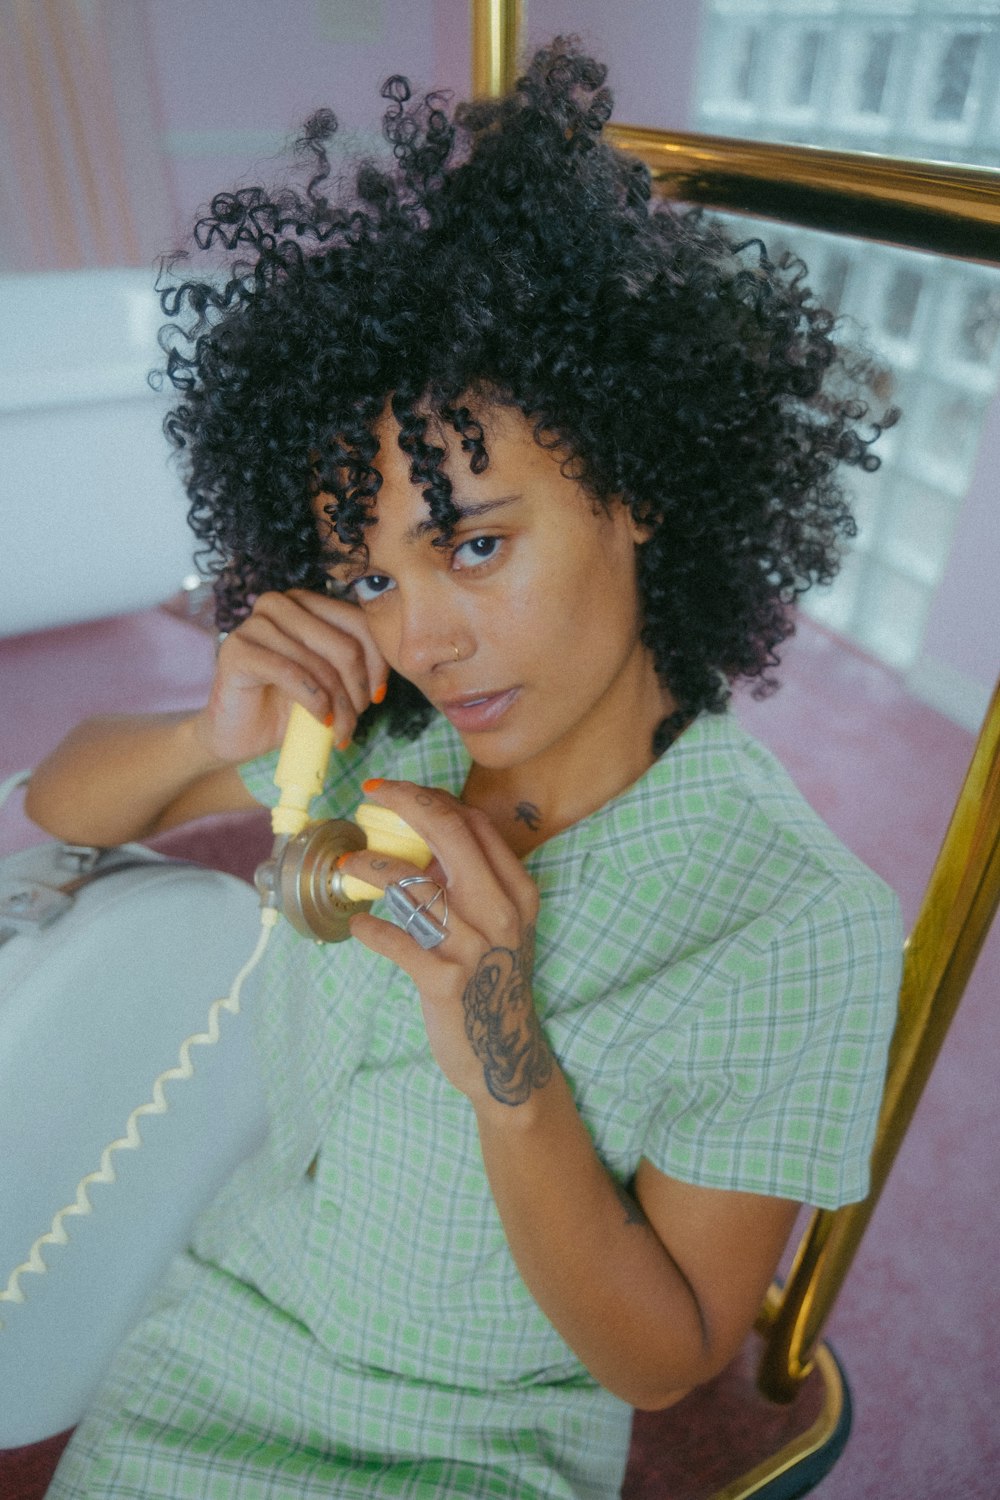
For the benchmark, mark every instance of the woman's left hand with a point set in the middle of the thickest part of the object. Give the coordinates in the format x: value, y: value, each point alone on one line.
x: 475, y: 986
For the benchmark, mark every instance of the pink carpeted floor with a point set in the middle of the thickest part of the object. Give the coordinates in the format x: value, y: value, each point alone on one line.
x: 917, y: 1321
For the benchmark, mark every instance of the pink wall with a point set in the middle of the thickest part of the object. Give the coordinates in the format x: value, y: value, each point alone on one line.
x: 650, y: 47
x: 120, y: 118
x: 237, y: 77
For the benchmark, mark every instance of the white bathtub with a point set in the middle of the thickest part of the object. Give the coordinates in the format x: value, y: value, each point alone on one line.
x: 92, y: 512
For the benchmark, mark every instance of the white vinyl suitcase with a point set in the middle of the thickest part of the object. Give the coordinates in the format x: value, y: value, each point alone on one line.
x: 108, y: 961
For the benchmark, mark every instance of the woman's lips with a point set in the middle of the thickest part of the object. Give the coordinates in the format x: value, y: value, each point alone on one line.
x: 476, y: 712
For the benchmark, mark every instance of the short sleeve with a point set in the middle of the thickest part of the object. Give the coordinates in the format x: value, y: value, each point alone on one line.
x: 776, y: 1080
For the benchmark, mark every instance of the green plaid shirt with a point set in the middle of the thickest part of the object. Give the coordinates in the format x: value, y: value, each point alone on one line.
x: 717, y: 976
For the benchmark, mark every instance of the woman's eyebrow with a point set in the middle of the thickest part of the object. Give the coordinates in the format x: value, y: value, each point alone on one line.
x: 467, y: 510
x: 333, y: 556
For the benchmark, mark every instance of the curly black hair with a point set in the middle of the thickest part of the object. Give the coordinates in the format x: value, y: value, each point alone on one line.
x: 511, y: 257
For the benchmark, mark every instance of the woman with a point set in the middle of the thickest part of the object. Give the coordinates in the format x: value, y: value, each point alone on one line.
x: 508, y: 476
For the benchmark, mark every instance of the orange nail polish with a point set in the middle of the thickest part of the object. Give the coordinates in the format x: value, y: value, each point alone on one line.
x: 373, y: 784
x: 344, y: 743
x: 342, y: 860
x: 328, y: 721
x: 379, y: 694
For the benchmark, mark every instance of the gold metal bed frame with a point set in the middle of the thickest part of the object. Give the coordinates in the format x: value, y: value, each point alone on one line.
x: 919, y: 205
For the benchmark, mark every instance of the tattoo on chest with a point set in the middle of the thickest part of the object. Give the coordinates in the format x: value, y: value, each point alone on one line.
x: 527, y: 812
x: 502, y: 1025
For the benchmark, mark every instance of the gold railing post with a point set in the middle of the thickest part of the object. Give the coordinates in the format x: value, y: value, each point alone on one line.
x: 496, y: 36
x: 960, y: 903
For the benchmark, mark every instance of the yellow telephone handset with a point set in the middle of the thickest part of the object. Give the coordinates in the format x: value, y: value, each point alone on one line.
x: 301, y: 878
x: 301, y: 768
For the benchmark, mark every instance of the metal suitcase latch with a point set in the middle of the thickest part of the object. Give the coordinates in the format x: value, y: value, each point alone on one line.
x: 27, y: 904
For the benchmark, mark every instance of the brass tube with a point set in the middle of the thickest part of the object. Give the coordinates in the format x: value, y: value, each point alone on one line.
x: 922, y: 205
x: 496, y: 30
x: 959, y: 905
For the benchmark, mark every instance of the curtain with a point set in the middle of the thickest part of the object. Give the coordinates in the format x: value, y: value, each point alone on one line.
x: 82, y: 177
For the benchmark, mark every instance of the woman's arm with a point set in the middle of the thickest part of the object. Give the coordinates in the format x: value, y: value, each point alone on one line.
x: 654, y: 1298
x: 126, y: 777
x: 653, y: 1293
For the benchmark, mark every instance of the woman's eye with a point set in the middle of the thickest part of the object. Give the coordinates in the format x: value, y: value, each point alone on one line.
x: 477, y: 550
x: 371, y: 586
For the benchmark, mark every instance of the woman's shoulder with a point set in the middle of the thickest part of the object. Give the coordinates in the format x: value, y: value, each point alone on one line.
x: 716, y: 836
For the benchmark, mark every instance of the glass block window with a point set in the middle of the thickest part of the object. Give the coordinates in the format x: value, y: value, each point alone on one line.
x: 746, y: 62
x: 916, y: 78
x: 873, y: 58
x: 805, y: 61
x: 953, y: 75
x: 900, y: 300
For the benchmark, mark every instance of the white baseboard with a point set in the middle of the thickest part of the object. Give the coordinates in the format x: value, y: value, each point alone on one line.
x: 951, y: 692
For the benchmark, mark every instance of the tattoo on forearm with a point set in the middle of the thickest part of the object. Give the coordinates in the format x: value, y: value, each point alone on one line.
x: 502, y: 1025
x: 527, y: 812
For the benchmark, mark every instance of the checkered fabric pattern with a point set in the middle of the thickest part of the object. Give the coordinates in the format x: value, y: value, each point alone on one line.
x: 717, y: 977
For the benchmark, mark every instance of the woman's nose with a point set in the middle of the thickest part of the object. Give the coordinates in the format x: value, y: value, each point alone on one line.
x: 431, y: 635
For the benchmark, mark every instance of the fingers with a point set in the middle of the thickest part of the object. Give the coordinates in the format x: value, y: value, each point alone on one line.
x: 461, y: 837
x: 349, y: 619
x: 487, y: 885
x: 392, y: 938
x: 314, y: 650
x: 394, y: 943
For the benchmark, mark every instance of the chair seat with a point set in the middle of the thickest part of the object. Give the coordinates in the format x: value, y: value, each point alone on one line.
x: 726, y: 1441
x: 26, y: 1472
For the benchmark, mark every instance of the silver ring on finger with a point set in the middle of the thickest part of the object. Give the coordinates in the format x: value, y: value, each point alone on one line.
x: 417, y: 916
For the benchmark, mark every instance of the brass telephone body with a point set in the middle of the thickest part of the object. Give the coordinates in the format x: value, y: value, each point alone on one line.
x: 301, y: 878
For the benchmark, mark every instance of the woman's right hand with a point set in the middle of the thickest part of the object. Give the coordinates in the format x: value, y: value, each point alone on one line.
x: 127, y: 776
x: 294, y: 647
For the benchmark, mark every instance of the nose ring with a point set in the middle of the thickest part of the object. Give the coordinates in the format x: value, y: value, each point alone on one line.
x: 456, y: 651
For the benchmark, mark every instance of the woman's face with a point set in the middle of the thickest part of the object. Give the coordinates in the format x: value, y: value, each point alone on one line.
x: 523, y: 627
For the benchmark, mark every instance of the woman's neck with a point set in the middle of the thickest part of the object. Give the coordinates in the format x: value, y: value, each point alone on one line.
x: 532, y: 802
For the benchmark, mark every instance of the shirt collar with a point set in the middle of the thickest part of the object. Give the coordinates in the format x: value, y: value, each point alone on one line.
x: 627, y: 833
